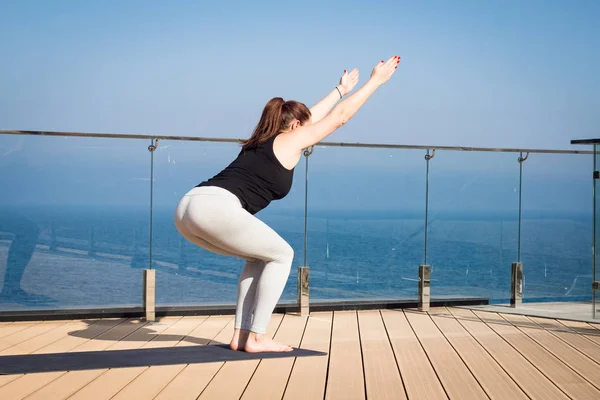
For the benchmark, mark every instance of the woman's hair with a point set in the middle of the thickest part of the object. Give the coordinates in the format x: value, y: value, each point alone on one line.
x: 276, y: 116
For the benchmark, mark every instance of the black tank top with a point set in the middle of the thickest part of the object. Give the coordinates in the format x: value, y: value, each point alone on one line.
x: 256, y: 177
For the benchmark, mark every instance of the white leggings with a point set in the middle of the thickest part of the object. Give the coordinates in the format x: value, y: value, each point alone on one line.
x: 213, y: 218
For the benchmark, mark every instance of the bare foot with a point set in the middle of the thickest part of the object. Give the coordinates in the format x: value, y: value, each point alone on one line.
x: 238, y: 342
x: 261, y: 343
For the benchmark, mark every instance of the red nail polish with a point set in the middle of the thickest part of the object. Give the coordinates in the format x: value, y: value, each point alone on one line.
x: 381, y: 60
x: 344, y: 71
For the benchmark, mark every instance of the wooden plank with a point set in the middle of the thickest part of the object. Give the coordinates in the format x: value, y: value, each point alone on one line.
x: 418, y: 375
x: 28, y: 333
x: 345, y: 379
x: 21, y: 385
x: 6, y: 379
x: 382, y: 377
x: 70, y: 382
x: 494, y: 380
x: 128, y: 331
x: 25, y: 322
x: 9, y: 329
x: 29, y: 383
x: 42, y: 340
x: 456, y: 378
x: 311, y: 369
x: 562, y: 376
x: 33, y: 383
x: 193, y: 378
x: 9, y: 378
x: 584, y: 329
x: 150, y: 382
x: 110, y: 381
x: 271, y: 376
x: 525, y: 374
x: 76, y: 338
x: 577, y: 361
x: 585, y: 345
x: 231, y: 380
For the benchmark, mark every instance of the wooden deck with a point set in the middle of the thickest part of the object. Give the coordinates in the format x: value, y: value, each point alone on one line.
x: 389, y: 354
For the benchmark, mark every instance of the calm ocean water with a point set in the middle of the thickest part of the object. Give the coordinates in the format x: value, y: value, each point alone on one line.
x: 95, y: 259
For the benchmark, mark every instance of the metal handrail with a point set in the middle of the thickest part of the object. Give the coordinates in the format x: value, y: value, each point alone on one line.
x: 324, y: 144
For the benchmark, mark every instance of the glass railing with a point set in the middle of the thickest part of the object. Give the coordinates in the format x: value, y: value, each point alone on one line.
x: 83, y: 215
x: 74, y: 215
x: 473, y: 223
x: 365, y: 222
x: 556, y: 228
x: 187, y: 274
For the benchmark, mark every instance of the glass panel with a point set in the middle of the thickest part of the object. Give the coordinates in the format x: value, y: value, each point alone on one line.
x: 473, y: 223
x: 74, y: 221
x: 556, y: 247
x: 366, y: 212
x: 187, y: 274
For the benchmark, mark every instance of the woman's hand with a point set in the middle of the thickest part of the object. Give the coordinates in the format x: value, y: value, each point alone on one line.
x: 348, y: 81
x: 383, y: 71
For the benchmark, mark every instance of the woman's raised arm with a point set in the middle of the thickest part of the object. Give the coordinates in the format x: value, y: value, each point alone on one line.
x: 309, y: 135
x: 322, y: 108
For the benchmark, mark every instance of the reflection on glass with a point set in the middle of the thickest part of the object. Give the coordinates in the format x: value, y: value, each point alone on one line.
x: 73, y: 222
x: 365, y: 223
x: 473, y: 222
x: 557, y: 227
x: 17, y: 253
x: 186, y: 274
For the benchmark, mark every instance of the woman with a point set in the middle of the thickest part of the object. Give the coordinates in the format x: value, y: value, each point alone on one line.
x: 218, y: 214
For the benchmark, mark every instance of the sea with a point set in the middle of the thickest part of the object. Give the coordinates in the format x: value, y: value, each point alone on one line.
x: 96, y: 259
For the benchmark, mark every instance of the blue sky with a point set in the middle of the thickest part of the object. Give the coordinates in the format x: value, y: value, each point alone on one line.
x: 473, y: 73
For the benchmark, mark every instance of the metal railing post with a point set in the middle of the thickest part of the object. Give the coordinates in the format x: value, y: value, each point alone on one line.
x: 150, y: 274
x: 424, y: 287
x: 304, y: 270
x: 516, y: 284
x: 516, y: 279
x: 425, y: 269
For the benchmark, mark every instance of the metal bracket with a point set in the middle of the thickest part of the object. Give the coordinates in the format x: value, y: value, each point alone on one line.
x: 303, y: 290
x: 521, y: 159
x: 516, y: 285
x: 424, y: 287
x: 309, y: 151
x: 430, y: 156
x: 596, y: 285
x: 150, y: 294
x: 153, y: 147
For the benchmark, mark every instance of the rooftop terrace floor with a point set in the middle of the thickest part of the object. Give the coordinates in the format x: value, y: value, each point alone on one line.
x: 573, y: 311
x: 454, y: 353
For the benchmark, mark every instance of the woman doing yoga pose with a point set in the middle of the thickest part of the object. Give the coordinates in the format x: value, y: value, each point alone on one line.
x: 218, y: 214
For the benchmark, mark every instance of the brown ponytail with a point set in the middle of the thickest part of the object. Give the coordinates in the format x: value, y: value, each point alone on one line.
x: 276, y: 116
